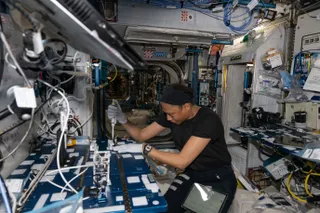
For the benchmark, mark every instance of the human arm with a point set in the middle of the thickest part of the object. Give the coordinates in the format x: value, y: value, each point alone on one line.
x: 188, y: 154
x: 115, y: 112
x: 207, y: 128
x: 145, y: 133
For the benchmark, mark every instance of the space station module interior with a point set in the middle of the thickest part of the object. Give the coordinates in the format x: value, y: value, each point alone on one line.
x: 254, y: 63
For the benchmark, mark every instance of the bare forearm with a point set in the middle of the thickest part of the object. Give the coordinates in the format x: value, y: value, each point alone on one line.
x: 171, y: 159
x: 134, y: 131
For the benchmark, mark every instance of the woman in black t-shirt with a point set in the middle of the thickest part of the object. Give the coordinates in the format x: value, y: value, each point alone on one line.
x: 199, y: 135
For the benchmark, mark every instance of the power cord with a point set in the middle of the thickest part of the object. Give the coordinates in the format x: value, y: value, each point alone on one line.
x: 16, y: 64
x: 6, y: 44
x: 64, y: 127
x: 21, y: 123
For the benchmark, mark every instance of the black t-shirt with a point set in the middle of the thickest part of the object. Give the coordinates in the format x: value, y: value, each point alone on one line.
x: 205, y: 124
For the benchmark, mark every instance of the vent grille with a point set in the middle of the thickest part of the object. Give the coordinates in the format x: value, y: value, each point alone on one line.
x: 77, y: 8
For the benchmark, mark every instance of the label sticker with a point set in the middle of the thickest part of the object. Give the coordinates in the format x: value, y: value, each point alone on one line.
x: 153, y: 187
x: 47, y: 177
x: 127, y: 156
x: 184, y: 16
x: 119, y: 198
x: 133, y: 179
x: 58, y: 196
x: 74, y: 154
x: 253, y: 4
x: 37, y: 167
x: 138, y: 157
x: 18, y: 172
x: 25, y: 97
x: 276, y: 61
x: 27, y: 162
x: 14, y: 185
x: 42, y: 200
x: 70, y: 150
x: 139, y: 201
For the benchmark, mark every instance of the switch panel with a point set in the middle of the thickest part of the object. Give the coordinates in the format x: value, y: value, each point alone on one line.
x: 311, y: 42
x: 278, y: 169
x: 204, y: 93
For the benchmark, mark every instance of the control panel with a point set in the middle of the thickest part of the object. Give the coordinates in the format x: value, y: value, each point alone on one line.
x: 278, y: 169
x: 205, y: 74
x: 204, y: 93
x: 101, y: 169
x: 311, y: 41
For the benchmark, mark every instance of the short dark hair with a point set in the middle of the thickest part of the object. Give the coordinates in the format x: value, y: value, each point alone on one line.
x: 182, y: 88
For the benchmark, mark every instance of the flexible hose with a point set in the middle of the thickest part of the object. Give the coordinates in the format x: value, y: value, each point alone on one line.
x: 290, y: 192
x: 306, y: 185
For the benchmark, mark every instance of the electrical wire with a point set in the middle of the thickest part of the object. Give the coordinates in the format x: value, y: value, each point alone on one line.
x: 89, y: 118
x: 75, y: 69
x: 73, y: 124
x: 221, y: 17
x: 66, y: 81
x: 306, y: 187
x: 82, y: 124
x: 56, y: 185
x: 16, y: 126
x: 209, y: 13
x: 104, y: 12
x: 4, y: 40
x: 16, y: 64
x: 115, y: 76
x: 8, y: 62
x: 202, y: 6
x: 312, y: 173
x: 23, y: 138
x: 64, y: 127
x: 290, y: 191
x: 103, y: 8
x: 75, y: 177
x: 60, y: 58
x: 227, y: 20
x: 309, y: 174
x: 84, y: 97
x: 68, y: 168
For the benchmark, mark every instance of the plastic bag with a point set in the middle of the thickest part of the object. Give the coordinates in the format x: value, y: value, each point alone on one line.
x: 296, y: 93
x: 275, y: 202
x: 269, y: 86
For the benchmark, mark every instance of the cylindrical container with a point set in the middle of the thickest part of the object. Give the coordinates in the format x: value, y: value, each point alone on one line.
x: 300, y: 119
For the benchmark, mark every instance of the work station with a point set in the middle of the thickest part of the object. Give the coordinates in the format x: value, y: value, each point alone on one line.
x: 150, y: 106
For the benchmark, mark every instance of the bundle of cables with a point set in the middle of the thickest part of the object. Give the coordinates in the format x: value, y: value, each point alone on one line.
x: 228, y: 10
x: 306, y: 184
x: 72, y: 123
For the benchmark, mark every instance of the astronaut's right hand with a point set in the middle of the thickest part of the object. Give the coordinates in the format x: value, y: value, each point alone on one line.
x: 115, y: 111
